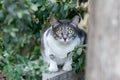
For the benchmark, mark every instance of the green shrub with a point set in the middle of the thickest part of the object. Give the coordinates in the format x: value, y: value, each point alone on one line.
x: 79, y: 59
x: 21, y: 24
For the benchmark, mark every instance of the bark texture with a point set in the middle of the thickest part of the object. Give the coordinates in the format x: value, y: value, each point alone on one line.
x: 103, y: 55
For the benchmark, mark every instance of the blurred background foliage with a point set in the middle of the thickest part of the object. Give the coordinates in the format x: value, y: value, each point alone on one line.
x: 21, y: 25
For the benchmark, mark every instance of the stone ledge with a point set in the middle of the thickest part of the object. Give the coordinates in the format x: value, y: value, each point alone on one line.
x: 63, y: 75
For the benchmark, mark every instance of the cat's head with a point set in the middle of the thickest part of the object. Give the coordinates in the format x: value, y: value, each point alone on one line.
x: 64, y: 30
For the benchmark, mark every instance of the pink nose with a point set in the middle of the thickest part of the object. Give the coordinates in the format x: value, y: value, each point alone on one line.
x: 65, y: 38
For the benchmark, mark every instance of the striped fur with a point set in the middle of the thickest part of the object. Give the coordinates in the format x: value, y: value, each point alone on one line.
x: 59, y: 40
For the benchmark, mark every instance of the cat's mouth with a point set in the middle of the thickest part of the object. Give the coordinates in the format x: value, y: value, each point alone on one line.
x: 64, y: 40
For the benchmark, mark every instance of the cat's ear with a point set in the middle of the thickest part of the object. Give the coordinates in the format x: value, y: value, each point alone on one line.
x: 53, y: 21
x: 75, y: 20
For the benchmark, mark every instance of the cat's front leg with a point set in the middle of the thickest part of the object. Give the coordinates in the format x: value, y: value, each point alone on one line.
x: 67, y: 66
x: 53, y: 66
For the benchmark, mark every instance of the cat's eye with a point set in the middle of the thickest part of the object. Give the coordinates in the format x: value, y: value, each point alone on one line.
x: 59, y: 31
x: 70, y: 31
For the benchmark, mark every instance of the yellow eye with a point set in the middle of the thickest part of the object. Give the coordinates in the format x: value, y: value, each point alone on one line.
x: 70, y: 31
x: 59, y: 31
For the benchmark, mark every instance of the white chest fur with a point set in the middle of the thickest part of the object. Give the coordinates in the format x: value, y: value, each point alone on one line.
x: 57, y: 48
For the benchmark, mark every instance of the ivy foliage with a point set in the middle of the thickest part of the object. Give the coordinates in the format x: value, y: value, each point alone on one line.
x: 79, y: 59
x: 21, y: 24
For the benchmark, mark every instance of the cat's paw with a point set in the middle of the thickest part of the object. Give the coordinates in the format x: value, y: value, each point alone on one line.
x: 53, y: 67
x: 67, y: 67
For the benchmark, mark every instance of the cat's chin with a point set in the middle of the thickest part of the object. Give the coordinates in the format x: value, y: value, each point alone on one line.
x: 65, y: 42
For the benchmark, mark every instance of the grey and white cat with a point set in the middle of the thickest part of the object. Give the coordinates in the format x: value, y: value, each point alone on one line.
x: 59, y: 40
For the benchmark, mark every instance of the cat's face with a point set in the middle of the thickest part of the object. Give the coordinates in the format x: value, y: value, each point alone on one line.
x: 64, y: 30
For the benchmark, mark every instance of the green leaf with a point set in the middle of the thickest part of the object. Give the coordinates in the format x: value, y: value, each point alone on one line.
x: 79, y: 51
x: 13, y: 34
x: 66, y: 7
x: 34, y: 7
x: 43, y: 8
x: 1, y: 15
x: 9, y: 19
x: 19, y: 14
x: 73, y: 5
x: 63, y: 0
x: 55, y: 8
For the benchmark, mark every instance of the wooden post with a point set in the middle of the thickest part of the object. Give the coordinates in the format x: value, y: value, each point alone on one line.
x: 103, y: 55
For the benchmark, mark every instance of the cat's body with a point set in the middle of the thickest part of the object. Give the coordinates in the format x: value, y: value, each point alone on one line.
x: 59, y: 41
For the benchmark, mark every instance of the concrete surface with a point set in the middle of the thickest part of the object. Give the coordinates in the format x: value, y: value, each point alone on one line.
x: 63, y: 75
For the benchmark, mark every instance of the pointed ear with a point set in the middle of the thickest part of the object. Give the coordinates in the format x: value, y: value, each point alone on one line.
x: 75, y: 20
x: 53, y: 21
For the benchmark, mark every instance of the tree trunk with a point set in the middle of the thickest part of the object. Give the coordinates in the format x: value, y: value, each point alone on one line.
x: 103, y: 55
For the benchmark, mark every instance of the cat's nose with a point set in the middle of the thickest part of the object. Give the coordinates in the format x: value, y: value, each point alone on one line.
x: 65, y: 38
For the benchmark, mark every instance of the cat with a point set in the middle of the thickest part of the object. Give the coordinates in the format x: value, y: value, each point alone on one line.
x: 59, y: 40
